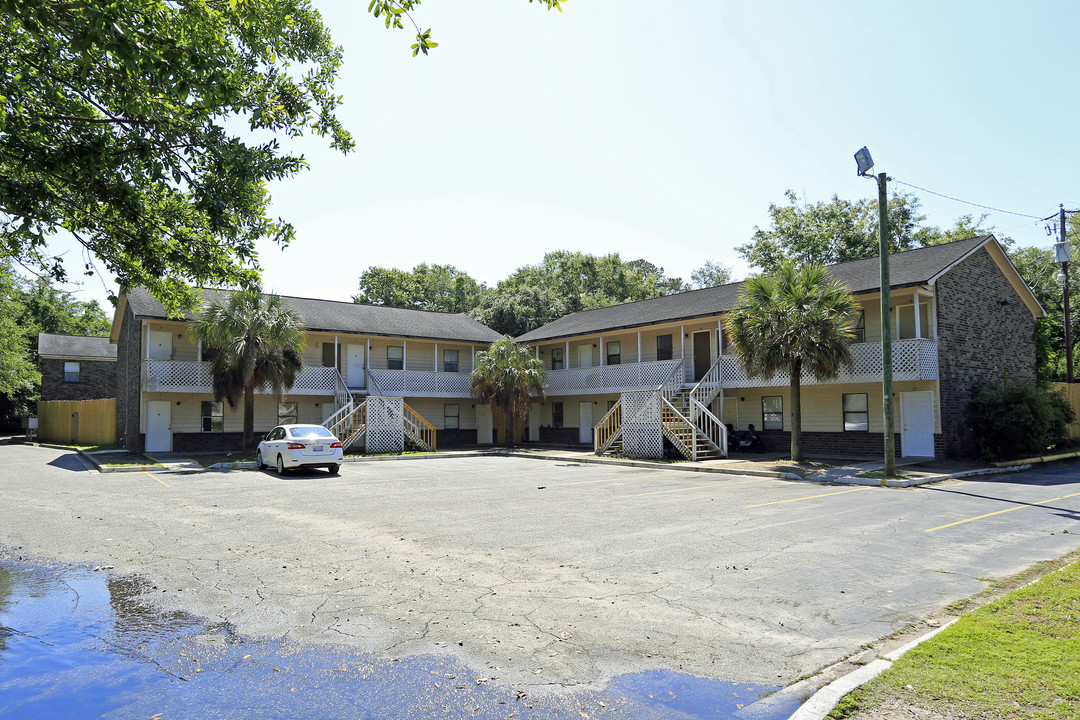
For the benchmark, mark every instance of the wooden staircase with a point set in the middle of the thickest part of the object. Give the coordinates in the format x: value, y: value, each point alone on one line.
x: 350, y: 423
x: 685, y: 420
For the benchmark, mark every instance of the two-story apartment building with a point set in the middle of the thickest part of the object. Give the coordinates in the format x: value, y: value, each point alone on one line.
x: 360, y: 362
x: 630, y: 376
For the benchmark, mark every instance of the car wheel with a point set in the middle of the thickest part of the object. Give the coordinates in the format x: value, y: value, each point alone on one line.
x: 333, y: 469
x: 280, y: 466
x: 259, y: 461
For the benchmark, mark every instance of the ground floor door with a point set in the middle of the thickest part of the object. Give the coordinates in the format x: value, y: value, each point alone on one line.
x: 355, y: 368
x: 917, y: 424
x: 484, y: 425
x: 158, y: 420
x: 702, y: 363
x: 534, y: 422
x: 585, y: 436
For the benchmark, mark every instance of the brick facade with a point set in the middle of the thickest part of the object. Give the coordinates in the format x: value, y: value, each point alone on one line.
x: 867, y: 444
x: 129, y: 383
x: 985, y: 334
x: 560, y: 435
x: 454, y: 438
x: 97, y: 379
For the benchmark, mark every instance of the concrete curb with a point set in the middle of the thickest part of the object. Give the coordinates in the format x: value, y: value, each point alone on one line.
x: 821, y: 703
x: 1028, y: 462
x: 912, y: 482
x: 681, y: 467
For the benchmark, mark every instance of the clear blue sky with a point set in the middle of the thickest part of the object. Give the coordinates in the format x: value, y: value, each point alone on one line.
x: 663, y: 130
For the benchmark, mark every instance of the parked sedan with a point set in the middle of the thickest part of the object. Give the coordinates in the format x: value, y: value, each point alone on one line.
x: 296, y: 446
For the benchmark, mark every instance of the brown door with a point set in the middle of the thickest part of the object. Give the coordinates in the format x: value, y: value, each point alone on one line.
x: 701, y: 354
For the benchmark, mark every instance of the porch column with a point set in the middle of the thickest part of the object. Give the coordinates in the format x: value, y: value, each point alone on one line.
x: 473, y: 348
x: 682, y: 342
x: 566, y: 356
x: 367, y: 355
x: 146, y: 332
x: 337, y: 358
x: 436, y: 357
x: 719, y: 338
x: 601, y: 350
x: 918, y: 320
x: 537, y: 351
x: 200, y: 350
x: 404, y: 354
x: 639, y: 346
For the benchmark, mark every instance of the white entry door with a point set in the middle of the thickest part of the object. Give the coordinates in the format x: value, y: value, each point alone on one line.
x: 534, y: 422
x: 160, y: 346
x: 158, y: 420
x: 917, y: 424
x: 355, y: 368
x: 585, y: 433
x: 483, y: 424
x: 584, y: 354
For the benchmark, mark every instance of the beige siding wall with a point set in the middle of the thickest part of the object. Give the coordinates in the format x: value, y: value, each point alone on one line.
x: 433, y: 410
x: 822, y: 405
x: 572, y: 408
x: 186, y: 411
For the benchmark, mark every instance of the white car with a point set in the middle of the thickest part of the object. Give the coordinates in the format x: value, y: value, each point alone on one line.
x: 295, y: 446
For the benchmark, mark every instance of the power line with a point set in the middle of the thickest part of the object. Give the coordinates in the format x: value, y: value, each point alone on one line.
x: 966, y: 202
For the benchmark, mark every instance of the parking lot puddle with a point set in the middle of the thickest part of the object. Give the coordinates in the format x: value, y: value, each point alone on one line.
x: 75, y: 643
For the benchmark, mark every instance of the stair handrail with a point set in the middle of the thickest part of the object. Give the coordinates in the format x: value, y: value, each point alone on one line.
x: 709, y: 386
x: 349, y: 423
x: 373, y: 384
x: 608, y: 429
x: 342, y: 395
x: 679, y: 418
x: 714, y: 431
x: 668, y: 388
x: 422, y: 431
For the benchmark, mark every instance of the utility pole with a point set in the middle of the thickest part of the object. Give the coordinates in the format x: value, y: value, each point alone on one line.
x: 1063, y: 257
x: 886, y: 326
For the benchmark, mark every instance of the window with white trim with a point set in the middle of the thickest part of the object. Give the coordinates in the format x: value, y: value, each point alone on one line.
x: 451, y: 416
x: 856, y: 412
x: 614, y: 352
x: 213, y: 416
x: 286, y: 413
x: 71, y: 372
x: 450, y: 360
x: 772, y: 412
x: 395, y: 357
x: 557, y: 359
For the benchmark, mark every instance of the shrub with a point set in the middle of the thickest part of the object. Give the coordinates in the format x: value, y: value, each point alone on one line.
x: 1017, y: 419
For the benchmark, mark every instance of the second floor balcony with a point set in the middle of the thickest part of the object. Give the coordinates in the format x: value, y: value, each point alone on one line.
x: 609, y: 378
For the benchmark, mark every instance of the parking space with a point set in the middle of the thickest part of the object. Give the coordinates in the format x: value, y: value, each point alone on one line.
x: 543, y: 571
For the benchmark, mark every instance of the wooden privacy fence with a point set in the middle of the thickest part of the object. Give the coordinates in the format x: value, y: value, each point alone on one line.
x: 1072, y: 392
x: 78, y: 422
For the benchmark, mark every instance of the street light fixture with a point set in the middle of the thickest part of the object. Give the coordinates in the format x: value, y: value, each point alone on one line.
x: 865, y: 164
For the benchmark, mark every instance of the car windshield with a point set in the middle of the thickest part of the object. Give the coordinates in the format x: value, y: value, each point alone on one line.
x: 310, y: 431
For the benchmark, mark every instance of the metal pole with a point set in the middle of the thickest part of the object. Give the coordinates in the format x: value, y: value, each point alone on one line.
x: 886, y: 327
x: 1068, y: 334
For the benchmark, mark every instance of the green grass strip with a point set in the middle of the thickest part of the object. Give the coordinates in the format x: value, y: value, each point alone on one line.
x: 1015, y: 657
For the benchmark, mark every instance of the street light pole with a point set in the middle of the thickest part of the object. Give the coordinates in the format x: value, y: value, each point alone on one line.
x: 886, y: 327
x: 865, y: 163
x: 1063, y: 258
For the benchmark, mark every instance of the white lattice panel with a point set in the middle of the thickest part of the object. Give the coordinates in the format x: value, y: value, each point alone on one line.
x: 608, y: 378
x: 385, y: 424
x: 641, y: 432
x: 176, y: 376
x: 313, y: 380
x: 915, y: 359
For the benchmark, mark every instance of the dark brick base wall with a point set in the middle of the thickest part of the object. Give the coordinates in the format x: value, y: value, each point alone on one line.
x: 210, y: 441
x: 97, y: 379
x: 560, y: 436
x: 454, y: 438
x: 826, y: 443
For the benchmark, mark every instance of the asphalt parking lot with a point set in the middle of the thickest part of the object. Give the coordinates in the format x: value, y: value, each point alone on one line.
x: 541, y: 572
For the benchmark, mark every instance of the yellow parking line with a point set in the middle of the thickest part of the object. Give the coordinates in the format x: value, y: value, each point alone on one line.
x: 160, y: 481
x: 999, y: 512
x: 699, y: 487
x: 808, y: 497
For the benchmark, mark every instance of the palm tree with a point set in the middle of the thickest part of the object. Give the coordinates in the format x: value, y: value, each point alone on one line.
x: 507, y: 377
x: 258, y: 341
x: 793, y: 321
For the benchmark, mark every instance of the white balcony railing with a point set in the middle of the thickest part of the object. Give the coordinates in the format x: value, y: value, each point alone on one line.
x: 609, y: 378
x: 422, y: 383
x: 915, y: 359
x: 194, y: 377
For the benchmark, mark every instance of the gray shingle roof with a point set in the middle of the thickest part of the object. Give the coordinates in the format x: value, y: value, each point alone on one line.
x: 348, y: 317
x: 913, y: 267
x: 75, y: 346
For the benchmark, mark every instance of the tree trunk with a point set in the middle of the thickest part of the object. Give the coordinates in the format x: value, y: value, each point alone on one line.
x: 796, y: 412
x: 248, y: 441
x: 509, y: 412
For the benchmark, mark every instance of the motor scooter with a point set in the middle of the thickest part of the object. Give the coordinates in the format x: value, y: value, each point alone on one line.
x: 745, y: 439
